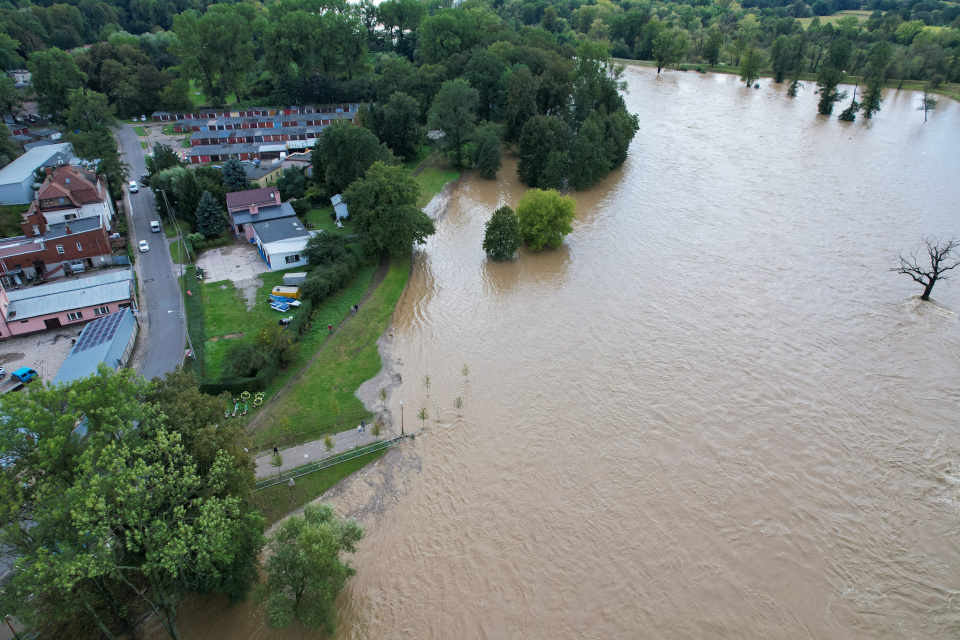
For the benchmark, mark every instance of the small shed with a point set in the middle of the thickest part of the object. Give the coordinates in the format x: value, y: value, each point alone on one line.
x: 339, y: 206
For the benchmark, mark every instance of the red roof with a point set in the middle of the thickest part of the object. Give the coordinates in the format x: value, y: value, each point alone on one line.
x: 251, y: 197
x: 78, y: 185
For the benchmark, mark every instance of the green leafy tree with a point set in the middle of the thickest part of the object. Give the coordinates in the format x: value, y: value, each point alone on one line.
x: 305, y: 572
x: 383, y: 206
x: 216, y: 49
x: 150, y: 510
x: 164, y: 157
x: 522, y: 91
x: 234, y: 175
x: 183, y: 190
x: 54, y: 75
x: 713, y: 46
x: 782, y: 57
x: 176, y: 96
x: 8, y: 150
x: 545, y: 218
x: 669, y: 47
x: 502, y: 237
x: 876, y: 76
x: 211, y: 221
x: 325, y: 248
x: 400, y: 129
x: 344, y: 153
x: 88, y: 111
x: 750, y: 66
x: 488, y: 151
x: 11, y: 98
x: 292, y: 183
x: 827, y: 83
x: 543, y: 137
x: 454, y: 112
x: 91, y: 119
x: 588, y: 157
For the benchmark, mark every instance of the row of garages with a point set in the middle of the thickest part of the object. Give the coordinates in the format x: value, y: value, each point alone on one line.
x: 286, y: 134
x: 256, y: 112
x: 276, y: 122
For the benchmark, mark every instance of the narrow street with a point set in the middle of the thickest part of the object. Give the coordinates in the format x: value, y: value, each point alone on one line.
x: 160, y: 301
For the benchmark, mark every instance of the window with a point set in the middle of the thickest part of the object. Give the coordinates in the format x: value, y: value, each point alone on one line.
x: 70, y: 216
x: 294, y: 258
x: 76, y: 315
x: 60, y: 249
x: 67, y: 180
x: 60, y: 200
x: 101, y: 311
x: 79, y: 247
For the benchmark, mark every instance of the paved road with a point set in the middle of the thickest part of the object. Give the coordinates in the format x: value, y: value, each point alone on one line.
x: 158, y: 284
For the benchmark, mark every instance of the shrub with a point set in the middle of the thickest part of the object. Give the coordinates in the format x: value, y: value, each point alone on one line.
x: 301, y: 206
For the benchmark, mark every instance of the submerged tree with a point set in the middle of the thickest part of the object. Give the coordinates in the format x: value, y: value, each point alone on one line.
x: 850, y: 113
x: 502, y: 237
x: 546, y: 218
x: 928, y: 262
x: 750, y: 66
x: 305, y: 573
x: 929, y: 103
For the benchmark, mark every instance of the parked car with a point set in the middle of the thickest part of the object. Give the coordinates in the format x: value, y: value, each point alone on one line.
x: 24, y: 374
x: 144, y: 247
x: 143, y: 118
x: 155, y: 226
x: 133, y: 187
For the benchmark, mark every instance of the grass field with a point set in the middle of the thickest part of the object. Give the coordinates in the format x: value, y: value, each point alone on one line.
x: 140, y: 131
x: 432, y: 181
x: 349, y: 359
x: 321, y: 220
x: 176, y: 249
x: 862, y: 15
x: 170, y: 230
x: 167, y: 129
x: 279, y: 500
x: 200, y: 100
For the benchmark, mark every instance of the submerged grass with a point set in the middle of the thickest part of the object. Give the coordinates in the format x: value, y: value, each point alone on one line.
x: 432, y: 181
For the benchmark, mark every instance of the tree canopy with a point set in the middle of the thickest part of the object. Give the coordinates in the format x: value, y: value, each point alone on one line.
x: 383, y: 206
x: 344, y: 153
x: 502, y: 236
x: 545, y: 218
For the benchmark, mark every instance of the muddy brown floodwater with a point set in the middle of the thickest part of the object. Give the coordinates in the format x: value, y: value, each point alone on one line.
x: 713, y: 413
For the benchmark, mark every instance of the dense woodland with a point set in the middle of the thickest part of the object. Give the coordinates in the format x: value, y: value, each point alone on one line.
x: 515, y: 61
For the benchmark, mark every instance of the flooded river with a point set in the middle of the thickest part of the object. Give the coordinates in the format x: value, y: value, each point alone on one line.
x: 714, y: 413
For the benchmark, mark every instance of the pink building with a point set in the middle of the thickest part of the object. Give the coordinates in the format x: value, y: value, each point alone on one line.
x: 72, y: 302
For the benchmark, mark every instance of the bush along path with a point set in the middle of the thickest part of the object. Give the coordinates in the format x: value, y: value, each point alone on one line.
x: 264, y: 421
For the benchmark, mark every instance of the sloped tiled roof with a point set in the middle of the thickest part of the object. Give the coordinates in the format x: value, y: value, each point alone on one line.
x: 250, y: 197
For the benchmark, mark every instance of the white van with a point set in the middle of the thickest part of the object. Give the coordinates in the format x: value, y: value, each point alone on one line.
x: 155, y: 226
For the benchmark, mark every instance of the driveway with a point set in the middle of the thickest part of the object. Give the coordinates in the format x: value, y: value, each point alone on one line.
x: 43, y: 352
x: 161, y: 311
x: 237, y: 262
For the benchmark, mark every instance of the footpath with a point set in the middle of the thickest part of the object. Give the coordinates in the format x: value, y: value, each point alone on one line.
x: 300, y: 455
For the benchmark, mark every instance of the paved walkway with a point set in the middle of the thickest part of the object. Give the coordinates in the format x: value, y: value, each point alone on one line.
x: 313, y: 451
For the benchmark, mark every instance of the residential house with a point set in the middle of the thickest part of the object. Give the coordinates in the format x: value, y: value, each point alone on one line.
x: 71, y: 302
x: 244, y: 208
x: 109, y: 340
x: 281, y: 242
x: 17, y: 178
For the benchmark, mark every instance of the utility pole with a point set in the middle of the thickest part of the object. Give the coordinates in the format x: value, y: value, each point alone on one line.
x: 183, y: 284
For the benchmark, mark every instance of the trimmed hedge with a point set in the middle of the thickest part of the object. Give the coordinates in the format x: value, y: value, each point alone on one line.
x: 210, y: 244
x: 301, y: 319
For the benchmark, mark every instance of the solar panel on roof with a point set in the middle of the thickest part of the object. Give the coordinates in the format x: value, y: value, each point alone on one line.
x: 99, y: 331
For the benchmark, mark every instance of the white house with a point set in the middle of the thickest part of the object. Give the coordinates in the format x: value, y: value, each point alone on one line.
x: 339, y: 206
x: 281, y: 242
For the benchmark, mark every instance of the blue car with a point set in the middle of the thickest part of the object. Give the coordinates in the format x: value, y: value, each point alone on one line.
x: 24, y: 374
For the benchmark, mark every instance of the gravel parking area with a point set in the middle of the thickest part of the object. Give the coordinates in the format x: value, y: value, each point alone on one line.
x: 236, y: 262
x: 44, y: 352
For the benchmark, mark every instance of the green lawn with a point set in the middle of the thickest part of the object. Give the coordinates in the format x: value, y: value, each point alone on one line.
x: 140, y: 131
x: 175, y: 252
x: 321, y: 220
x: 225, y: 310
x: 143, y: 145
x: 167, y: 129
x: 279, y: 500
x: 422, y: 155
x: 349, y: 358
x: 171, y: 231
x: 432, y: 181
x: 200, y: 100
x: 186, y: 143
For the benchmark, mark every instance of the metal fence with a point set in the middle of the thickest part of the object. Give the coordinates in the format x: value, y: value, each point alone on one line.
x: 327, y: 462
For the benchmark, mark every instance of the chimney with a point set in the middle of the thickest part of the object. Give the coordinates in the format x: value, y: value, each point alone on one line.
x: 48, y: 170
x: 66, y: 228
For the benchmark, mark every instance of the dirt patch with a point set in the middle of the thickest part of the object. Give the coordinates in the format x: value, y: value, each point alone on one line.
x: 226, y: 337
x: 11, y: 357
x: 248, y: 289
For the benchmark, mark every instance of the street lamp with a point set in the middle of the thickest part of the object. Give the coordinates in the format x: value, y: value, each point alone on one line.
x: 401, y: 417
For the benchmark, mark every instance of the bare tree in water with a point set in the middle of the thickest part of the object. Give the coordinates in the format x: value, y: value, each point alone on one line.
x: 942, y: 255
